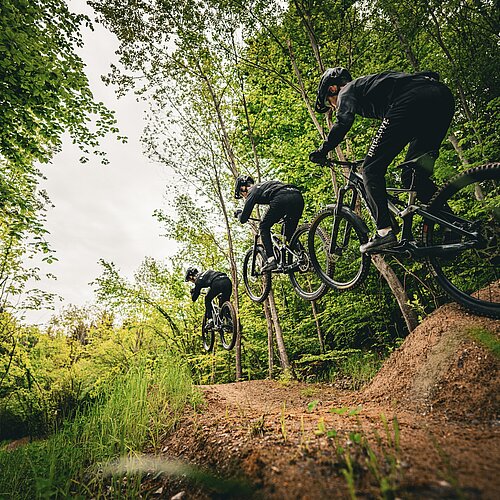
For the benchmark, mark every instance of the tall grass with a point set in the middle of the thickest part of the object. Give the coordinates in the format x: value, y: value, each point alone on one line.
x: 136, y: 410
x: 356, y: 369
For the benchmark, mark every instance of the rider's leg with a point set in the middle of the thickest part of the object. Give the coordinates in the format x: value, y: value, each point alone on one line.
x: 276, y: 211
x: 212, y: 292
x: 224, y: 289
x: 433, y: 109
x: 391, y: 138
x: 389, y: 141
x: 294, y: 202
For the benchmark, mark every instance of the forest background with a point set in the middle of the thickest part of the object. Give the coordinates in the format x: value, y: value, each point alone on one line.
x: 230, y: 87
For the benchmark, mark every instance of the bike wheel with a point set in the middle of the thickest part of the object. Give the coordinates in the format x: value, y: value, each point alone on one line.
x: 339, y: 263
x: 304, y: 279
x: 228, y: 328
x: 258, y: 284
x: 471, y: 276
x: 207, y: 336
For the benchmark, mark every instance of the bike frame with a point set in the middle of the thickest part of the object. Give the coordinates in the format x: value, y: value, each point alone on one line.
x: 281, y: 249
x: 216, y: 313
x: 407, y: 246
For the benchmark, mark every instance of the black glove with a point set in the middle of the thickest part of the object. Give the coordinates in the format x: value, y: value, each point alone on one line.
x: 237, y: 213
x: 318, y: 156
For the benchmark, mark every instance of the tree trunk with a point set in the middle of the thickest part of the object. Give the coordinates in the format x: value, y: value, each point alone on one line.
x: 318, y: 327
x: 403, y: 40
x: 270, y: 349
x: 397, y: 290
x: 285, y: 364
x: 306, y: 21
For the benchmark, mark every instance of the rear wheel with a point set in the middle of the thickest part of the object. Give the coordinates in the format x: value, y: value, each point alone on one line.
x: 304, y: 279
x: 257, y: 283
x: 228, y: 328
x: 339, y: 263
x: 207, y: 335
x: 470, y: 276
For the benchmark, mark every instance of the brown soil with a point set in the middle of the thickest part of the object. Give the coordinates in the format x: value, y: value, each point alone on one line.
x: 441, y: 387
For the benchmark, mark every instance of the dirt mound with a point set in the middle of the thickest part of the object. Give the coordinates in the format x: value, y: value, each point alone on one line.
x: 444, y: 365
x: 437, y: 397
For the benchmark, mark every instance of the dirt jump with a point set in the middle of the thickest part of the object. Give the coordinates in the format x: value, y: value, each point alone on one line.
x: 427, y: 426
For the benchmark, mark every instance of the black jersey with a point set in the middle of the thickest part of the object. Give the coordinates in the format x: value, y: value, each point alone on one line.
x: 205, y: 280
x: 370, y: 96
x: 261, y: 194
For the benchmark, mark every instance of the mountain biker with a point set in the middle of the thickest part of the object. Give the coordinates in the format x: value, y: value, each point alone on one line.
x: 218, y: 282
x: 415, y: 109
x: 283, y: 200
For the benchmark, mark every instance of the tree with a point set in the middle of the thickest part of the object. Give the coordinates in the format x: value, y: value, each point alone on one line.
x: 44, y: 91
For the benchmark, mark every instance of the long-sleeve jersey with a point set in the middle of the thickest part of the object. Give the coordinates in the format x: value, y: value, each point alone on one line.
x: 369, y: 96
x: 261, y: 194
x: 205, y: 280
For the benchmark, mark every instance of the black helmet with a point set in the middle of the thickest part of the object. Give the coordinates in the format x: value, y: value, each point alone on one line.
x: 242, y: 180
x: 332, y: 76
x: 190, y: 273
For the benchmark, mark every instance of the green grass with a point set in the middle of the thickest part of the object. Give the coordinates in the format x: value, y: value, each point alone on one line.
x: 486, y: 339
x: 354, y: 367
x: 358, y: 368
x: 137, y: 410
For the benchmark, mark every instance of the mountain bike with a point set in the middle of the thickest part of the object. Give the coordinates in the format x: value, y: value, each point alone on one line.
x: 223, y: 321
x: 292, y: 259
x: 460, y: 234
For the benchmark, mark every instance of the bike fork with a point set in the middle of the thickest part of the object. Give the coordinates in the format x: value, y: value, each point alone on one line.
x: 336, y: 222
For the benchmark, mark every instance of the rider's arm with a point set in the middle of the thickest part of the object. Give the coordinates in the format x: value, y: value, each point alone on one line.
x: 346, y: 112
x: 249, y: 204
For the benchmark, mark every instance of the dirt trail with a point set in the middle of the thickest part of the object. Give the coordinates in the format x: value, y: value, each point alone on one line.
x: 441, y: 385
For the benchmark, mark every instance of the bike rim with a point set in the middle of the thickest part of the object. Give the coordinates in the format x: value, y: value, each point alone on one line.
x: 470, y: 277
x: 305, y: 280
x: 228, y: 327
x: 345, y: 267
x: 258, y: 284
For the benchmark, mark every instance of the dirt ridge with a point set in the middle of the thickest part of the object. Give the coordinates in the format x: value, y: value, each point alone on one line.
x: 441, y: 385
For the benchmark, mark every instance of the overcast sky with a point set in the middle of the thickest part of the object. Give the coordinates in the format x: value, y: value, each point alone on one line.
x: 102, y: 211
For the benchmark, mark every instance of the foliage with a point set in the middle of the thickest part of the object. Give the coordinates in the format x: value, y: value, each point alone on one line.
x: 44, y: 94
x: 136, y: 408
x: 230, y: 86
x: 230, y: 83
x: 44, y: 91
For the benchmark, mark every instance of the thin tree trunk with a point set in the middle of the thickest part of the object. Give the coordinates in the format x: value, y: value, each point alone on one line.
x: 403, y: 40
x: 270, y: 350
x: 234, y: 276
x: 269, y: 305
x: 306, y: 21
x: 285, y: 364
x: 397, y: 290
x: 318, y: 327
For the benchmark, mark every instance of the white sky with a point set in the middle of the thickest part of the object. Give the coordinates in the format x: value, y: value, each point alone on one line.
x: 102, y: 211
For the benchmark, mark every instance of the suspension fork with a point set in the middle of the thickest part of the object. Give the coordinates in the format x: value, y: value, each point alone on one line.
x: 336, y: 221
x: 254, y: 253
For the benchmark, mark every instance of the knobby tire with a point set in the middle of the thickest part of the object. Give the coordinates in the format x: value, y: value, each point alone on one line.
x: 470, y: 277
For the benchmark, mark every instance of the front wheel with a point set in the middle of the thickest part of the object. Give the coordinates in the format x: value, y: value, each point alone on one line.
x: 338, y: 260
x: 470, y: 276
x: 207, y: 335
x: 257, y: 283
x: 228, y: 328
x: 304, y: 278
